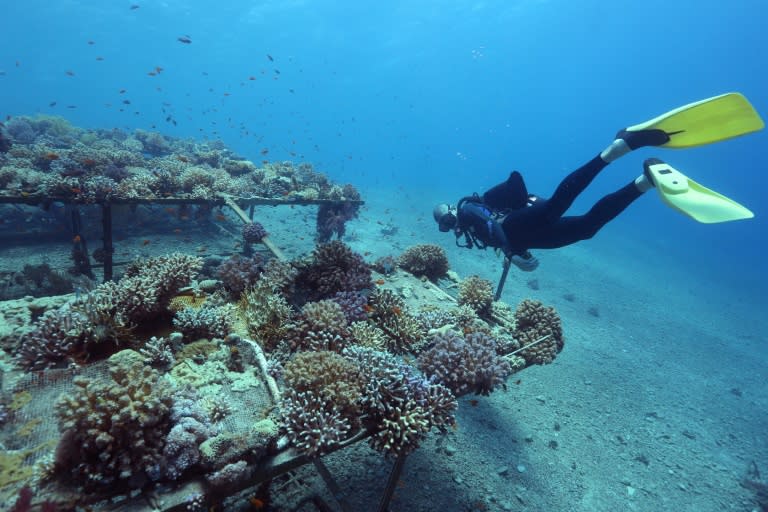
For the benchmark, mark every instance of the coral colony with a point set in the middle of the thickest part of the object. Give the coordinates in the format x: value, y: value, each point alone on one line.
x: 349, y: 355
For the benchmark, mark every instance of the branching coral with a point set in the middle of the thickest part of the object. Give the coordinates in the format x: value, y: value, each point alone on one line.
x: 477, y: 293
x: 333, y: 267
x: 238, y: 273
x: 266, y: 313
x: 403, y: 407
x: 465, y: 364
x: 311, y: 423
x: 534, y: 321
x: 115, y: 429
x: 389, y: 313
x: 425, y: 260
x: 321, y: 326
x: 207, y: 321
x: 329, y: 376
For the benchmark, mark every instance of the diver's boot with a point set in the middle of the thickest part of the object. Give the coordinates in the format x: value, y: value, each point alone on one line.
x: 646, y: 181
x: 627, y: 141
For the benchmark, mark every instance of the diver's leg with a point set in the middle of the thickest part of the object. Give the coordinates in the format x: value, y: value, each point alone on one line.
x: 568, y: 230
x: 573, y: 185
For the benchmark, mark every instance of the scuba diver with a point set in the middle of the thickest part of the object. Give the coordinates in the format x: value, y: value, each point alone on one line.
x: 507, y: 217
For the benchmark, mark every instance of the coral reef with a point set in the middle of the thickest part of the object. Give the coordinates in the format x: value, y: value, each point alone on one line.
x: 465, y: 364
x: 47, y: 155
x: 534, y: 321
x: 333, y: 217
x: 191, y: 427
x: 425, y: 260
x: 477, y: 293
x: 114, y: 430
x: 332, y: 267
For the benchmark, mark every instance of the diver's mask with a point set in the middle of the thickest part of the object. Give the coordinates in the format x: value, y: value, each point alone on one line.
x: 445, y: 216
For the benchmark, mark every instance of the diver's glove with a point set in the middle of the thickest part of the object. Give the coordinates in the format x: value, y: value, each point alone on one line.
x: 526, y: 262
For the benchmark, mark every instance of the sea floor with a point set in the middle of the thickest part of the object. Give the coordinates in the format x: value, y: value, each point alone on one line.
x: 657, y: 402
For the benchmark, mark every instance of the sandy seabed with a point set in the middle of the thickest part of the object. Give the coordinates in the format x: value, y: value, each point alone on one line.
x: 657, y: 403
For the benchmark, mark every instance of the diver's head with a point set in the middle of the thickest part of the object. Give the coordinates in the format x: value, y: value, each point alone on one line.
x: 445, y: 216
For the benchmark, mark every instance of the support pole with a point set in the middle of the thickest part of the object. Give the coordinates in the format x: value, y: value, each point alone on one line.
x: 106, y: 230
x: 503, y: 279
x: 79, y: 246
x: 394, y: 476
x: 244, y: 217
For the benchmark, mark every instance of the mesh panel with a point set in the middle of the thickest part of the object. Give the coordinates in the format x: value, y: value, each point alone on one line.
x: 29, y: 439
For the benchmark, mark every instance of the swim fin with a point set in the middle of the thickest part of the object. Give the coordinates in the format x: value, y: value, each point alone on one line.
x: 688, y: 197
x: 696, y: 124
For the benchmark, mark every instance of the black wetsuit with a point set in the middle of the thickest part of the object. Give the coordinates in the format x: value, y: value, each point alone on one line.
x: 508, y: 218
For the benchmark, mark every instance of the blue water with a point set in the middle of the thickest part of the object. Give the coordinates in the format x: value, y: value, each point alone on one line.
x: 444, y: 96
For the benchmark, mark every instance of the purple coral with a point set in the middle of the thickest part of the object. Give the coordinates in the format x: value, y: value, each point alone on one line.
x: 332, y: 219
x: 353, y: 305
x: 191, y: 427
x: 334, y: 267
x: 237, y: 273
x: 469, y: 364
x: 253, y: 232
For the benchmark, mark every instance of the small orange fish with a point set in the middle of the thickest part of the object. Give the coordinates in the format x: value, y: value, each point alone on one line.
x: 367, y: 308
x: 145, y: 241
x: 379, y: 281
x: 51, y: 156
x: 397, y: 311
x: 77, y: 239
x: 474, y: 402
x: 177, y: 231
x: 75, y: 190
x: 256, y: 503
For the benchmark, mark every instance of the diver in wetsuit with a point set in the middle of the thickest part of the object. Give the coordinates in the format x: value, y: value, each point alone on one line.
x: 508, y: 218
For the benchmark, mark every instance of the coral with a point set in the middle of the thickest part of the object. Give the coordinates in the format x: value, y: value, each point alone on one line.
x: 329, y: 376
x: 238, y: 273
x: 253, y: 232
x: 534, y: 321
x: 353, y: 304
x: 207, y: 321
x: 157, y: 353
x: 402, y: 406
x: 325, y: 315
x: 425, y: 260
x: 191, y: 426
x: 265, y: 312
x: 312, y: 424
x: 333, y: 267
x: 325, y: 328
x: 280, y: 276
x: 148, y: 285
x: 477, y: 293
x: 332, y: 219
x: 389, y: 313
x: 114, y: 429
x: 465, y: 364
x: 368, y: 335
